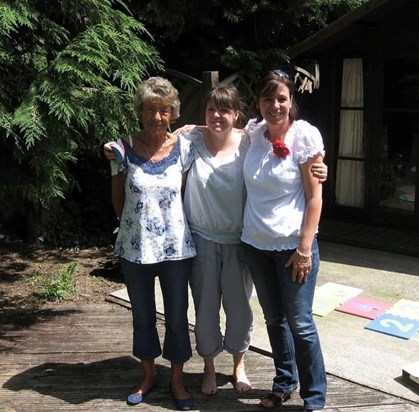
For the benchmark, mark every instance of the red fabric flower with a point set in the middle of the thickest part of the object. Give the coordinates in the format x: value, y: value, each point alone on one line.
x: 280, y: 149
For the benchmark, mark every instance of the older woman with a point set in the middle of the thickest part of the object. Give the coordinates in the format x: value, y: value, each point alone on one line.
x: 282, y: 212
x: 154, y: 237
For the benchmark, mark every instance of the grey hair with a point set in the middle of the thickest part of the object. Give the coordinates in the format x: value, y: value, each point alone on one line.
x: 157, y: 89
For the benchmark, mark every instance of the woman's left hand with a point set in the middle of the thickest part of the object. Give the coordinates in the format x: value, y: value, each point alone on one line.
x: 301, y: 267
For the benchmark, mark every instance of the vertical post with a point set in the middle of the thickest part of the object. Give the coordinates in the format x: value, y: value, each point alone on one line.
x: 210, y: 79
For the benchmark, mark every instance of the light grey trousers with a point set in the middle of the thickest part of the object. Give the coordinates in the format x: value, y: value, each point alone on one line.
x: 219, y: 276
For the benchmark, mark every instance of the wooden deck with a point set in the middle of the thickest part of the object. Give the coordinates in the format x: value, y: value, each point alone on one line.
x: 77, y: 358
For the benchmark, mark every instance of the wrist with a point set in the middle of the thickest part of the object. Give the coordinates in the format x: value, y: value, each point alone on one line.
x: 303, y: 255
x: 114, y: 167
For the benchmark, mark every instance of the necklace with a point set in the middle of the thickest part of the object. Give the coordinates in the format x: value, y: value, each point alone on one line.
x: 146, y: 150
x: 141, y: 141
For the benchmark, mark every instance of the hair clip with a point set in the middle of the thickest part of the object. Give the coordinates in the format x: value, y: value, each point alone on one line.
x: 279, y: 72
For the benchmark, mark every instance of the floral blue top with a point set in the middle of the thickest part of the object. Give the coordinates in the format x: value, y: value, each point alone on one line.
x: 153, y: 225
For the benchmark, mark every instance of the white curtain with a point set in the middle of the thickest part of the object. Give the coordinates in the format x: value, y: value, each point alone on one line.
x: 350, y: 174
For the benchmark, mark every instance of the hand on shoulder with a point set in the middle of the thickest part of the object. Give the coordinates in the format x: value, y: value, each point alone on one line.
x: 187, y: 129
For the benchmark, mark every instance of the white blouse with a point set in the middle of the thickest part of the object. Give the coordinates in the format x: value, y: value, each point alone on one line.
x: 153, y: 225
x: 275, y: 204
x: 215, y: 191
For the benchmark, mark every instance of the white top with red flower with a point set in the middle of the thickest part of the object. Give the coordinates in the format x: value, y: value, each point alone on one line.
x: 276, y: 202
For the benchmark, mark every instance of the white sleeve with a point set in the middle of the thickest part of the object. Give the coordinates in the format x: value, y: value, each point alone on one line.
x: 308, y: 142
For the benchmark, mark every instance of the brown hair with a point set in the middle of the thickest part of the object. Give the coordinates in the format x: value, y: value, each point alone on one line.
x: 226, y: 97
x: 269, y: 84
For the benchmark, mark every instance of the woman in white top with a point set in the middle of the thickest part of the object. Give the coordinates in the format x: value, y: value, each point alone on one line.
x: 213, y: 201
x: 281, y: 217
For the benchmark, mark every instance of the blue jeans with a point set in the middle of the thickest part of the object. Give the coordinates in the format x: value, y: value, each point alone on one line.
x: 287, y: 308
x: 140, y: 281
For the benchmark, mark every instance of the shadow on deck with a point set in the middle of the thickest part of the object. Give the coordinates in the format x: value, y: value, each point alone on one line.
x: 401, y: 241
x: 77, y: 358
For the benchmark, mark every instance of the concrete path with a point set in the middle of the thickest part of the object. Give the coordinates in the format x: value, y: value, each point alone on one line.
x: 352, y: 352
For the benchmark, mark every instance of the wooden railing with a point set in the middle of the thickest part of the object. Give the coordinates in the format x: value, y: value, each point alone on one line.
x: 192, y: 93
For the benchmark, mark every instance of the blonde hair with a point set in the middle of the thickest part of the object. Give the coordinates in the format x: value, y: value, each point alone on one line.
x: 157, y: 89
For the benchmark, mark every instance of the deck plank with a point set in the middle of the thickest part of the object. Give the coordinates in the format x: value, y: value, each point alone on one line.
x: 77, y: 358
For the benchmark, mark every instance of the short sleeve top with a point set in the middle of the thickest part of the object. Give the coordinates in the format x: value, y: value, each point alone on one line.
x: 276, y: 201
x: 153, y: 226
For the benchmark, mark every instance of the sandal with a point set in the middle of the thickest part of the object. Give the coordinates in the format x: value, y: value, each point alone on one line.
x: 275, y: 399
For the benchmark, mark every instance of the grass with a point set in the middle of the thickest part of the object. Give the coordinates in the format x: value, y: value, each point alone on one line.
x: 57, y: 287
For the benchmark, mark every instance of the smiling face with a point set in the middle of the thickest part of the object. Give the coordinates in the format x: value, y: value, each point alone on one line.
x: 156, y: 104
x: 155, y: 116
x: 219, y: 119
x: 275, y: 106
x: 275, y: 99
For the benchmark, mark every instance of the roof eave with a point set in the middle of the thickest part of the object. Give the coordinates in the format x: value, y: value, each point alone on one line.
x: 338, y: 25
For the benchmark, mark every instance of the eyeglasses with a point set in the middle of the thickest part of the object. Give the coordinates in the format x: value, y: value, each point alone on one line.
x: 279, y: 72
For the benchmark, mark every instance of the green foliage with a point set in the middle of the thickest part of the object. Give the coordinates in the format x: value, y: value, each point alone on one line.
x: 56, y: 288
x: 228, y: 35
x: 34, y: 279
x: 68, y: 71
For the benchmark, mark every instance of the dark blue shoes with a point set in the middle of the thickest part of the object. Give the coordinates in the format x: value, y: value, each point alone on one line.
x: 136, y: 398
x: 182, y: 404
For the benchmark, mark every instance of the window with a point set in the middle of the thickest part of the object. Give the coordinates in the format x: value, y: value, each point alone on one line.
x: 400, y: 140
x: 350, y: 172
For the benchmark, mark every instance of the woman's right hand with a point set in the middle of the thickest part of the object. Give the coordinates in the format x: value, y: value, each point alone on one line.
x: 108, y: 152
x: 188, y: 128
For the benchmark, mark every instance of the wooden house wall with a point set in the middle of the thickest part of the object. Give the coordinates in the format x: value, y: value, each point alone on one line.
x: 384, y: 39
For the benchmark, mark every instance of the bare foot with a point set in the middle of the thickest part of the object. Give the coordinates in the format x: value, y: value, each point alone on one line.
x: 241, y: 383
x: 209, y: 382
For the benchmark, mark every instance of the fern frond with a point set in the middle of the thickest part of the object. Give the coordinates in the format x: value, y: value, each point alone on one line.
x: 12, y: 18
x: 68, y: 70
